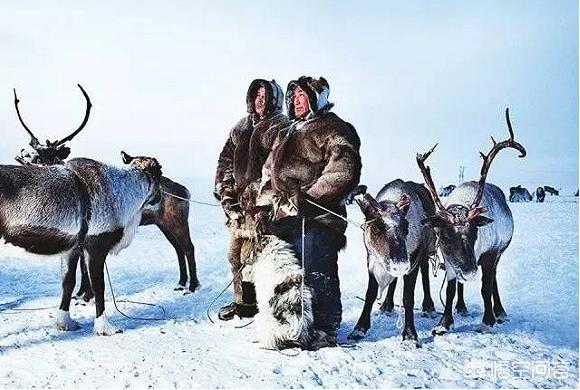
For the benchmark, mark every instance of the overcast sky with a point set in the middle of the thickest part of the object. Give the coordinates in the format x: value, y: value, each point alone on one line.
x: 169, y: 78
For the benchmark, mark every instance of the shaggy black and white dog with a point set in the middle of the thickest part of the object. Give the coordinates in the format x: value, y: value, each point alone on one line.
x: 285, y: 314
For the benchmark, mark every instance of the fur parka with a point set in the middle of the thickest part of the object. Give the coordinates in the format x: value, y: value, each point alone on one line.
x: 318, y: 155
x: 248, y: 145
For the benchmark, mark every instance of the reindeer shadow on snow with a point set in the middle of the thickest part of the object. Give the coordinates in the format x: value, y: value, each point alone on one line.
x: 407, y: 223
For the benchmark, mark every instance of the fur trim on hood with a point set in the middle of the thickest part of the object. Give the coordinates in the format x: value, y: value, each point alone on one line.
x: 317, y: 91
x: 274, y: 96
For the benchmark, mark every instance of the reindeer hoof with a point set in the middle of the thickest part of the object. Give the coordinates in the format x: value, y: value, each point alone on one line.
x: 410, y: 335
x: 441, y: 329
x: 64, y: 322
x: 87, y: 298
x: 411, y: 342
x: 484, y: 328
x: 462, y: 311
x: 193, y: 286
x: 387, y: 308
x: 104, y: 328
x: 179, y: 287
x: 356, y: 334
x: 501, y: 317
x: 430, y: 313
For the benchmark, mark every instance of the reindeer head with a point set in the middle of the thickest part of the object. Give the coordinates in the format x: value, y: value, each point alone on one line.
x: 51, y: 153
x: 385, y: 232
x: 456, y: 226
x: 456, y: 230
x: 152, y: 169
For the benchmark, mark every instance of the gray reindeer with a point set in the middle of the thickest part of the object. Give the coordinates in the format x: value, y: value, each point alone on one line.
x: 468, y: 239
x: 84, y: 207
x: 170, y: 215
x: 397, y: 245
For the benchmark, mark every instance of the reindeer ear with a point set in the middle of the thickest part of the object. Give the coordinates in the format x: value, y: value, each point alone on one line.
x: 126, y: 158
x: 404, y: 204
x: 480, y: 220
x: 434, y: 221
x: 63, y: 152
x: 157, y: 168
x: 368, y: 205
x: 359, y: 190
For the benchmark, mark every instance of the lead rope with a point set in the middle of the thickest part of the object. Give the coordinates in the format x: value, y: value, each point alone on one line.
x: 219, y: 295
x: 357, y: 224
x: 303, y: 270
x: 207, y: 312
x: 194, y: 201
x: 134, y: 302
x: 436, y: 262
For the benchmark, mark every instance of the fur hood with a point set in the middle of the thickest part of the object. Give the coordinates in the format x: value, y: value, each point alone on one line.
x: 274, y: 96
x: 317, y: 91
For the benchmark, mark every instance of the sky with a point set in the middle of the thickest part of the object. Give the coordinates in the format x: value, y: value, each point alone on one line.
x: 169, y: 78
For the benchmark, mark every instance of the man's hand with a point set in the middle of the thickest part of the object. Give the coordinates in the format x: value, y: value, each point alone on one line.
x: 302, y: 203
x: 262, y: 218
x: 233, y: 210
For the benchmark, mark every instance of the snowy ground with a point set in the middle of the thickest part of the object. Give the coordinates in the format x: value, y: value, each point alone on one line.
x: 538, y: 277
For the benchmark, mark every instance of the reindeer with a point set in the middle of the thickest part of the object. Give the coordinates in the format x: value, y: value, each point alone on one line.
x: 170, y: 215
x: 540, y: 195
x: 519, y: 194
x: 551, y: 190
x: 446, y: 191
x: 468, y: 239
x: 397, y: 245
x: 84, y: 207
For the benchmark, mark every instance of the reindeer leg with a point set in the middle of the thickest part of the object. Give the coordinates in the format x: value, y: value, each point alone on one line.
x: 189, y: 250
x: 69, y: 269
x: 446, y: 321
x: 428, y: 304
x: 364, y: 322
x: 460, y: 307
x: 85, y: 291
x: 409, y: 333
x: 180, y: 257
x: 498, y: 310
x: 487, y: 280
x: 96, y: 263
x: 389, y: 303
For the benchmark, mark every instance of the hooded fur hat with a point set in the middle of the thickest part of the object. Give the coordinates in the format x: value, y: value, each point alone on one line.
x: 274, y: 96
x: 317, y: 91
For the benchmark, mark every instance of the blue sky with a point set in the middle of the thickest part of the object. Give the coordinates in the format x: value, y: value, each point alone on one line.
x: 169, y: 78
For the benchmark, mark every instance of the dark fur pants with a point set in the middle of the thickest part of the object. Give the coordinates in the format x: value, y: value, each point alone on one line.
x: 321, y: 265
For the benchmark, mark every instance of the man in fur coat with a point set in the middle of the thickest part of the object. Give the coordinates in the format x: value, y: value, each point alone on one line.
x: 315, y: 159
x: 236, y: 183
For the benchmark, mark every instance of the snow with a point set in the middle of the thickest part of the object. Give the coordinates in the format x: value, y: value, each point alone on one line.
x: 537, y: 276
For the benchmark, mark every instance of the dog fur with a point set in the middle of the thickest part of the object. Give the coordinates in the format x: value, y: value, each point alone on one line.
x: 285, y: 316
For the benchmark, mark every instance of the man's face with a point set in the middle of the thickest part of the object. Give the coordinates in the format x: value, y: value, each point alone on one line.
x: 260, y: 102
x: 301, y: 103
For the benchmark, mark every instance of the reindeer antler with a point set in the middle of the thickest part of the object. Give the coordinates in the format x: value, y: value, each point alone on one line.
x: 488, y: 158
x: 426, y: 171
x: 34, y: 141
x: 87, y: 113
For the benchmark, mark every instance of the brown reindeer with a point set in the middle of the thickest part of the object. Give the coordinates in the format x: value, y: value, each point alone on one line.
x: 170, y: 215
